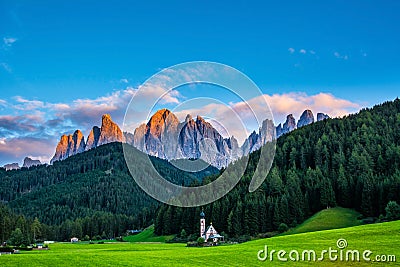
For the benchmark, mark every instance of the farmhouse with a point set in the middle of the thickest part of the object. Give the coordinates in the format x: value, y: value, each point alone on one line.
x: 209, y: 233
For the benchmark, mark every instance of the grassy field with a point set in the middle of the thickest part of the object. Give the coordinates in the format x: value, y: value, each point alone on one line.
x: 147, y: 236
x: 333, y: 218
x: 381, y: 239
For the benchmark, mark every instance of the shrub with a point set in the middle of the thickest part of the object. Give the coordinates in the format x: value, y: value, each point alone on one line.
x: 392, y: 211
x: 200, y: 241
x: 283, y: 228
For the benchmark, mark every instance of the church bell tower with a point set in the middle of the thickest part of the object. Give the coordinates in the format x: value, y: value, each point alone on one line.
x: 202, y: 223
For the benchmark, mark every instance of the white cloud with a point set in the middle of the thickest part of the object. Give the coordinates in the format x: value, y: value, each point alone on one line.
x: 291, y: 50
x: 24, y: 104
x: 41, y: 121
x: 9, y: 41
x: 3, y: 103
x: 340, y: 56
x: 312, y: 52
x: 281, y: 105
x: 124, y: 80
x: 15, y: 149
x: 303, y: 51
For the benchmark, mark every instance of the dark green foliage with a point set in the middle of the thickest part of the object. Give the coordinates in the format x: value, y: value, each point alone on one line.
x: 16, y: 238
x: 200, y: 241
x: 353, y: 161
x: 392, y: 211
x: 283, y: 228
x: 91, y: 193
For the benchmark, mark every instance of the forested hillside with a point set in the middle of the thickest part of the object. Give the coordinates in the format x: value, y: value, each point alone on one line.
x: 92, y: 191
x: 352, y: 162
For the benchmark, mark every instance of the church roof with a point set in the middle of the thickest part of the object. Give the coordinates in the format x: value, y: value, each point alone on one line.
x: 202, y: 215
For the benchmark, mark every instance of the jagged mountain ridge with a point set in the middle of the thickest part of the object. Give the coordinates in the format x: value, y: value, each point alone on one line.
x: 75, y: 143
x: 28, y: 162
x: 164, y: 136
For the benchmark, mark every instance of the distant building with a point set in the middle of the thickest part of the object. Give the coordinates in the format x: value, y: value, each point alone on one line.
x: 210, y: 233
x: 74, y: 240
x: 133, y: 232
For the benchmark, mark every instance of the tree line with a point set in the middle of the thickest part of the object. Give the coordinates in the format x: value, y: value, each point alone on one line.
x: 352, y: 162
x: 90, y: 194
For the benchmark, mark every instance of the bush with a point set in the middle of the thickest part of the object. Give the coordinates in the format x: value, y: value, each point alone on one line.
x: 193, y: 237
x: 16, y: 238
x: 392, y: 211
x: 283, y: 228
x: 183, y: 234
x: 86, y: 238
x: 200, y: 241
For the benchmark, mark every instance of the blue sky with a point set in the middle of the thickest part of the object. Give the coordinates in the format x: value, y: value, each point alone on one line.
x: 82, y: 53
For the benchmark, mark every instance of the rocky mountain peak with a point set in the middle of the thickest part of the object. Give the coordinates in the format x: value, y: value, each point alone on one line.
x: 306, y: 118
x: 200, y: 119
x: 75, y: 143
x: 109, y: 131
x: 188, y: 118
x: 28, y: 162
x: 69, y: 145
x: 93, y: 138
x: 322, y: 116
x: 289, y: 125
x: 11, y: 166
x: 160, y: 120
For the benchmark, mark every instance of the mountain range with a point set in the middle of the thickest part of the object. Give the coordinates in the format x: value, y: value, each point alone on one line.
x: 28, y: 162
x: 165, y: 137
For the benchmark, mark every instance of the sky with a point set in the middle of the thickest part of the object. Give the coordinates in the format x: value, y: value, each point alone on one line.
x: 65, y: 63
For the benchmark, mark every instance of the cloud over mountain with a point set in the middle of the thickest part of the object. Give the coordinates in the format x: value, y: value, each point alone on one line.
x: 37, y: 124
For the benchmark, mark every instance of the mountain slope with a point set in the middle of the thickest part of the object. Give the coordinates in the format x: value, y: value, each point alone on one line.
x: 327, y: 219
x: 96, y: 180
x: 353, y: 162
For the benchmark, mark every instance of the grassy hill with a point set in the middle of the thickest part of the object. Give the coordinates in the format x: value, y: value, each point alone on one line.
x: 327, y: 219
x: 147, y: 236
x: 381, y: 239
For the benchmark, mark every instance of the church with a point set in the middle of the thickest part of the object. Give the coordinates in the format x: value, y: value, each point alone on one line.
x: 209, y: 234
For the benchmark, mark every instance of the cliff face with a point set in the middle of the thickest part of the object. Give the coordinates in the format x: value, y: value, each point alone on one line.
x: 11, y: 166
x: 73, y: 144
x: 289, y: 125
x: 93, y: 138
x: 109, y: 132
x: 69, y: 145
x: 256, y: 140
x: 28, y: 162
x: 165, y: 137
x: 306, y: 118
x: 322, y: 116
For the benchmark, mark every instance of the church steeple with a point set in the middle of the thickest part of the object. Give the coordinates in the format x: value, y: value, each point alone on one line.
x: 202, y: 215
x: 202, y: 223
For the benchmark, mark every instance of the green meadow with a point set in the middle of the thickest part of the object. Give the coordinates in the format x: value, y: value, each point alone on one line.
x: 147, y: 236
x: 333, y: 218
x: 381, y: 239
